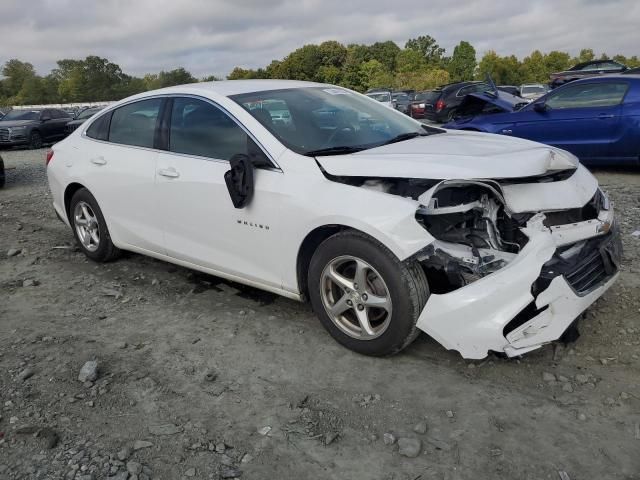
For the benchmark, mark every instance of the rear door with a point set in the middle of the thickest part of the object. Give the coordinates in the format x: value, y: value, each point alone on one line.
x: 582, y: 118
x: 201, y: 225
x: 119, y: 168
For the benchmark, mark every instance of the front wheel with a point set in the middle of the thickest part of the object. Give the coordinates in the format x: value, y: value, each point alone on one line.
x: 90, y: 228
x: 451, y: 116
x: 365, y: 297
x: 35, y: 140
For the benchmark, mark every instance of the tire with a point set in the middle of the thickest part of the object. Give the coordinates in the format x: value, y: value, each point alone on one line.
x: 451, y: 115
x: 2, y: 176
x: 391, y: 328
x: 91, y: 217
x: 35, y: 140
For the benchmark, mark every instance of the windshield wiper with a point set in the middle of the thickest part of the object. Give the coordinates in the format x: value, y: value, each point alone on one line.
x: 405, y: 136
x: 342, y: 150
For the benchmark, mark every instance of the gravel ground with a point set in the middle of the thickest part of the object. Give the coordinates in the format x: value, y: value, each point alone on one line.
x: 197, y: 377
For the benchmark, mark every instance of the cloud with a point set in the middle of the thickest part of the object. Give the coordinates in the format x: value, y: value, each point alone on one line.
x: 213, y: 36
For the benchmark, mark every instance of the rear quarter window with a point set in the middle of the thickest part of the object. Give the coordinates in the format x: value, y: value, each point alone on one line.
x: 99, y: 129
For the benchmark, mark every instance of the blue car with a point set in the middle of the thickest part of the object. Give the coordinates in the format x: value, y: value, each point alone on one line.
x: 597, y: 119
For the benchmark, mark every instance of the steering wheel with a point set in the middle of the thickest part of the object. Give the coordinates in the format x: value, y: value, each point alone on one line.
x: 339, y: 129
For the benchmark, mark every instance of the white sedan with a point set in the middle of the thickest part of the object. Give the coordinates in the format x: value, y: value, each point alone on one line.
x: 389, y: 227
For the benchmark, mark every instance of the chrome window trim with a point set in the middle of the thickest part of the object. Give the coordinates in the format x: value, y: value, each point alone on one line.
x: 83, y: 134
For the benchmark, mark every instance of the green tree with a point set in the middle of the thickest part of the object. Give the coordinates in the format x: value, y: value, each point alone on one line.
x: 385, y: 53
x: 462, y: 64
x: 16, y: 73
x: 427, y: 46
x: 503, y: 70
x: 409, y: 60
x: 375, y: 75
x: 534, y: 68
x: 210, y: 78
x: 586, y: 55
x: 302, y: 64
x: 91, y: 79
x: 556, y: 61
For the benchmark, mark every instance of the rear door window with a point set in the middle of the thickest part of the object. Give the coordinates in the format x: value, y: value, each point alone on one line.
x: 99, y: 129
x: 135, y: 123
x: 587, y: 95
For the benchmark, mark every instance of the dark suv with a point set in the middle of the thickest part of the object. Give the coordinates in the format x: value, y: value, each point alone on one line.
x: 33, y: 127
x: 441, y: 103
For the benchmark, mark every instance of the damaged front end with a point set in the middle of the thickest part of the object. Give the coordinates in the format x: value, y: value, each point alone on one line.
x: 511, y: 262
x: 510, y: 281
x: 475, y: 234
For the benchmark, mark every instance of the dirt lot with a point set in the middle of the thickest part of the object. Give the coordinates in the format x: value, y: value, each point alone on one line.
x: 200, y: 378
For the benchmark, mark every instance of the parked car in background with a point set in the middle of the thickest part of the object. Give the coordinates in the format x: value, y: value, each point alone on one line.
x: 444, y: 101
x: 383, y: 96
x: 419, y: 101
x: 511, y: 89
x: 597, y: 119
x: 533, y: 91
x: 82, y: 117
x: 402, y: 102
x: 586, y: 69
x: 3, y: 112
x: 487, y: 103
x: 388, y: 226
x: 33, y: 127
x: 632, y: 71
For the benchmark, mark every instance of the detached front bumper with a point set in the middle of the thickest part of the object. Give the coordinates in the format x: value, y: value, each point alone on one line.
x: 526, y: 304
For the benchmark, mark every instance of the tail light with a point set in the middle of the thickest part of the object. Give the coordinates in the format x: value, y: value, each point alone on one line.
x: 49, y: 157
x: 440, y: 105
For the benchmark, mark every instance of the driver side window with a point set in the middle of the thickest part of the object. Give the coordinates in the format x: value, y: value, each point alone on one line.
x: 588, y: 95
x: 202, y: 129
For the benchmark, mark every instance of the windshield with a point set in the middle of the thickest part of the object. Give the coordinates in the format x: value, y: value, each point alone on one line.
x: 380, y: 97
x: 534, y: 89
x: 22, y: 115
x: 88, y: 113
x: 328, y: 120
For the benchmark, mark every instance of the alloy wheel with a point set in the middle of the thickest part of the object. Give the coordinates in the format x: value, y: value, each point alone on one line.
x: 87, y: 227
x: 355, y: 297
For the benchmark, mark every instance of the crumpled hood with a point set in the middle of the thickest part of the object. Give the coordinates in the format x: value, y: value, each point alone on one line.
x: 452, y: 155
x: 16, y: 123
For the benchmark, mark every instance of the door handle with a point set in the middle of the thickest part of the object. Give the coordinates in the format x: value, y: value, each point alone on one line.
x: 604, y: 116
x: 168, y: 172
x: 98, y: 161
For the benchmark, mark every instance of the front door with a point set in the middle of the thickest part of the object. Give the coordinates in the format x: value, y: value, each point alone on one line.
x: 201, y: 225
x: 582, y: 118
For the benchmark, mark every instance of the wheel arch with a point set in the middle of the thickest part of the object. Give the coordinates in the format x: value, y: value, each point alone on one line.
x: 320, y: 233
x: 69, y: 192
x: 308, y: 247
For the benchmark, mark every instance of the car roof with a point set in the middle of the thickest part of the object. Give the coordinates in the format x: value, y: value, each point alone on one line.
x: 236, y: 87
x: 457, y: 84
x: 593, y: 62
x: 606, y: 78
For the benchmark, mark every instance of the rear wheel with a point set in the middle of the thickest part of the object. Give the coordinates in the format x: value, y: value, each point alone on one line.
x: 451, y: 116
x: 35, y: 140
x: 365, y: 297
x: 90, y: 228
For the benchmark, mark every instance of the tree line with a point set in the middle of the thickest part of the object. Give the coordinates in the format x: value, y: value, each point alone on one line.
x: 93, y: 79
x: 422, y: 64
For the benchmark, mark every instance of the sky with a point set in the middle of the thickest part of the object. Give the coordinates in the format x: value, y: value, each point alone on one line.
x: 212, y: 36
